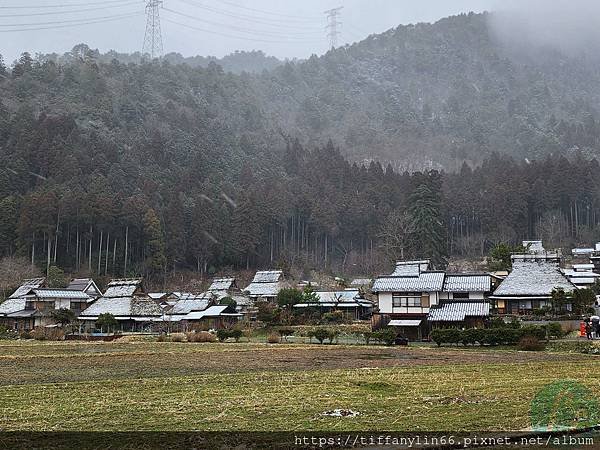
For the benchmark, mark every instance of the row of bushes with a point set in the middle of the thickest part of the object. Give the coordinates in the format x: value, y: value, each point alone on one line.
x: 487, y: 336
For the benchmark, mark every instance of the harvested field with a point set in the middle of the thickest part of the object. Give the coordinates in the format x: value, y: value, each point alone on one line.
x: 183, y: 386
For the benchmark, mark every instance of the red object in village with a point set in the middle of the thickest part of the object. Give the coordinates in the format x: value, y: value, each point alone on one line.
x: 582, y: 329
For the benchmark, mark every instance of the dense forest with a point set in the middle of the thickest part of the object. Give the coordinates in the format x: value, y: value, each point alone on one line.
x: 122, y: 168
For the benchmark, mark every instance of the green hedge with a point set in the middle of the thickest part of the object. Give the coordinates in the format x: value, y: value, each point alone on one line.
x: 487, y: 336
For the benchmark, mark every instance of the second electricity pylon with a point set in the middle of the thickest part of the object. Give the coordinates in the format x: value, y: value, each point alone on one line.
x: 332, y: 26
x: 153, y: 46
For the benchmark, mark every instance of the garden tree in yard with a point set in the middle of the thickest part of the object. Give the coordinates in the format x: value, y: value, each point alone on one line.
x: 228, y: 301
x: 63, y: 316
x: 13, y: 270
x: 310, y: 296
x: 289, y: 297
x: 583, y: 300
x: 155, y: 244
x: 559, y: 299
x: 106, y: 322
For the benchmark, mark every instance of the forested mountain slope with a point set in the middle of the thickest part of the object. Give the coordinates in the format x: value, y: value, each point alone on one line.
x: 437, y: 94
x: 120, y: 169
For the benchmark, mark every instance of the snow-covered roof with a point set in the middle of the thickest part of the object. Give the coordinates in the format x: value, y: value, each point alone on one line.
x: 458, y: 311
x: 123, y: 307
x: 468, y: 283
x: 191, y: 302
x: 157, y: 295
x: 410, y: 268
x: 423, y: 282
x: 27, y: 285
x: 221, y: 284
x: 263, y: 289
x: 11, y: 305
x: 533, y: 279
x: 267, y: 276
x: 534, y: 246
x: 361, y: 282
x: 122, y: 288
x: 213, y: 311
x: 60, y: 293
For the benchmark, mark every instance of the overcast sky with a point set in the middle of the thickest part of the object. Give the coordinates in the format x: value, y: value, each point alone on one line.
x: 283, y: 28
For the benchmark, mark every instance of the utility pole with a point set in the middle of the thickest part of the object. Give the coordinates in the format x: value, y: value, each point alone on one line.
x: 153, y: 46
x: 332, y: 26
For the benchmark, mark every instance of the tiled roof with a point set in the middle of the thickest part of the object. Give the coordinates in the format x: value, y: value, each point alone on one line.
x: 221, y: 284
x: 27, y: 285
x: 267, y: 276
x: 458, y: 311
x: 61, y: 293
x: 468, y: 283
x: 122, y: 288
x: 533, y: 278
x: 423, y: 282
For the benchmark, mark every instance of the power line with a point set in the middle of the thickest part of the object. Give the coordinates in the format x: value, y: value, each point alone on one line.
x: 270, y: 13
x: 73, y: 11
x: 243, y: 38
x: 239, y: 29
x: 278, y: 23
x: 67, y: 5
x: 59, y: 22
x: 332, y: 25
x: 125, y: 16
x: 153, y: 45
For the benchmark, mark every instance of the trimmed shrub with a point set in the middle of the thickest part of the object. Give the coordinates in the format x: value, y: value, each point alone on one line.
x: 201, y: 336
x: 162, y: 337
x: 236, y: 334
x: 555, y: 330
x: 386, y: 336
x: 530, y: 344
x: 285, y: 332
x: 321, y: 334
x: 223, y: 335
x: 178, y: 337
x: 25, y: 335
x: 273, y: 338
x: 48, y: 334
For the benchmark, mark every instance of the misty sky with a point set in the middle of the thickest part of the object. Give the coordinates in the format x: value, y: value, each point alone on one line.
x: 283, y: 28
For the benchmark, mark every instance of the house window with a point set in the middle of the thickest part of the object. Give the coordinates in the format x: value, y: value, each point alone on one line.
x: 408, y: 299
x: 29, y: 305
x: 460, y: 296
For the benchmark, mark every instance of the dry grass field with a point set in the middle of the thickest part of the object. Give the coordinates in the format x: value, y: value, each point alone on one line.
x: 149, y: 386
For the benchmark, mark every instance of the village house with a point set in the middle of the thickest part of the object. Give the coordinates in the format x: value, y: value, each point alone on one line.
x: 529, y: 286
x: 349, y: 301
x: 86, y: 285
x: 31, y: 305
x: 126, y: 300
x: 265, y: 285
x: 227, y: 288
x: 581, y: 275
x: 413, y: 291
x: 463, y: 301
